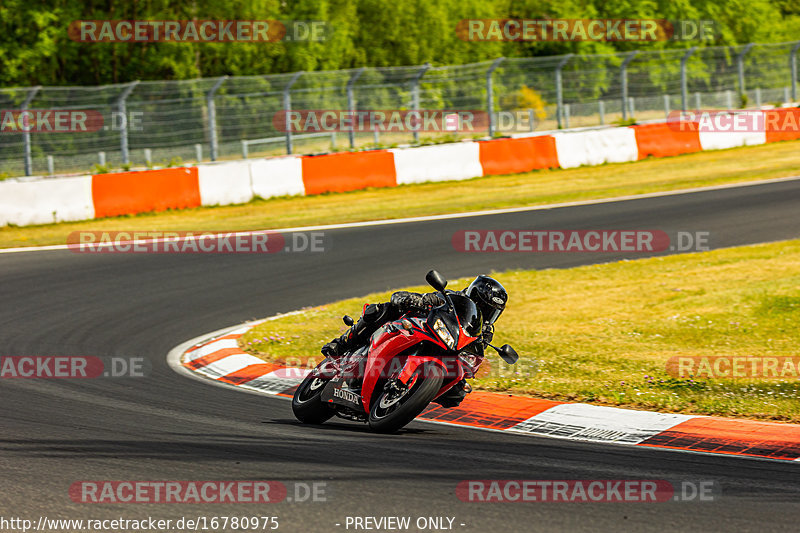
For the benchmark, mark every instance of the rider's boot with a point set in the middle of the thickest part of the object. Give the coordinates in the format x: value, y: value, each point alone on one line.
x: 358, y: 333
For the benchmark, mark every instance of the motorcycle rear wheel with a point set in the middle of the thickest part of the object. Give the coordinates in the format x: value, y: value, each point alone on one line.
x: 390, y: 412
x: 307, y: 404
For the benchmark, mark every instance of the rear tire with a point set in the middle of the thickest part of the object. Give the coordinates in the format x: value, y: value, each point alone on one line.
x: 388, y: 413
x: 307, y: 404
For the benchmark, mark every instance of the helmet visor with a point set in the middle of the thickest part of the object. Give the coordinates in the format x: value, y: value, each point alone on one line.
x: 491, y: 314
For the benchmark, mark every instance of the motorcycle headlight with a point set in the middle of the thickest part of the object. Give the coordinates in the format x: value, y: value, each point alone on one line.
x: 444, y: 333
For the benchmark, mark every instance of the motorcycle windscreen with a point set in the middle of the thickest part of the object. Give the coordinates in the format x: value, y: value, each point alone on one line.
x: 468, y: 314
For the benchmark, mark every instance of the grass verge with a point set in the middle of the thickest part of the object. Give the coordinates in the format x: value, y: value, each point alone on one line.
x: 493, y: 192
x: 603, y: 333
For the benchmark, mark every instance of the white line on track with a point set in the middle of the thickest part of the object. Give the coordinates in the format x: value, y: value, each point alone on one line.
x: 469, y: 214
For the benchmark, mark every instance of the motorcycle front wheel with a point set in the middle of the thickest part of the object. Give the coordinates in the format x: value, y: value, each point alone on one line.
x: 394, y: 408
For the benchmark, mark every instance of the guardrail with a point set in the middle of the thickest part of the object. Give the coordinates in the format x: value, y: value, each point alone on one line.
x: 271, y: 140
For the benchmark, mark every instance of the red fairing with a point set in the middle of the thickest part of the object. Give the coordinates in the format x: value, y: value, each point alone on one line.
x: 383, y: 350
x: 463, y: 340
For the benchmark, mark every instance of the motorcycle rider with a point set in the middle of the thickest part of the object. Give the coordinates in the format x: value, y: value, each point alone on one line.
x: 490, y: 298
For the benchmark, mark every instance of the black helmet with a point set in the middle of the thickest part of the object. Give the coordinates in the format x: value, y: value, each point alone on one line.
x: 489, y: 296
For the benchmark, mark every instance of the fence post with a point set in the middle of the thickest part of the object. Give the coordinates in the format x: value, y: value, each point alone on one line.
x: 623, y: 74
x: 684, y: 80
x: 601, y: 108
x: 666, y: 106
x: 560, y: 90
x: 123, y: 132
x: 351, y: 103
x: 287, y: 107
x: 50, y: 165
x: 415, y: 94
x: 212, y: 116
x: 793, y: 68
x: 489, y: 93
x: 740, y: 66
x: 26, y: 134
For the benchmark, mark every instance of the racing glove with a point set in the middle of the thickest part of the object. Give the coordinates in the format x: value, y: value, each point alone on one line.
x: 405, y: 301
x: 487, y: 334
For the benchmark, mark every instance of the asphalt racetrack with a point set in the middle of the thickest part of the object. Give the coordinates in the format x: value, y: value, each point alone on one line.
x: 169, y: 427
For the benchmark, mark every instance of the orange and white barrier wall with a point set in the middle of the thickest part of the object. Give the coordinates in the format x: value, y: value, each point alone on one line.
x: 42, y: 201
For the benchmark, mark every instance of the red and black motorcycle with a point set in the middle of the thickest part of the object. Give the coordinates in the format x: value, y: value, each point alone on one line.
x: 407, y: 364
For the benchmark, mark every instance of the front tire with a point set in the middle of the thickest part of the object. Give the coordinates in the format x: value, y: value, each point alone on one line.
x: 390, y: 411
x: 307, y: 404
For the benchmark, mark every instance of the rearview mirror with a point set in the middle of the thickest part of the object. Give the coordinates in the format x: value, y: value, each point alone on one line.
x: 348, y: 320
x: 436, y: 280
x: 508, y: 354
